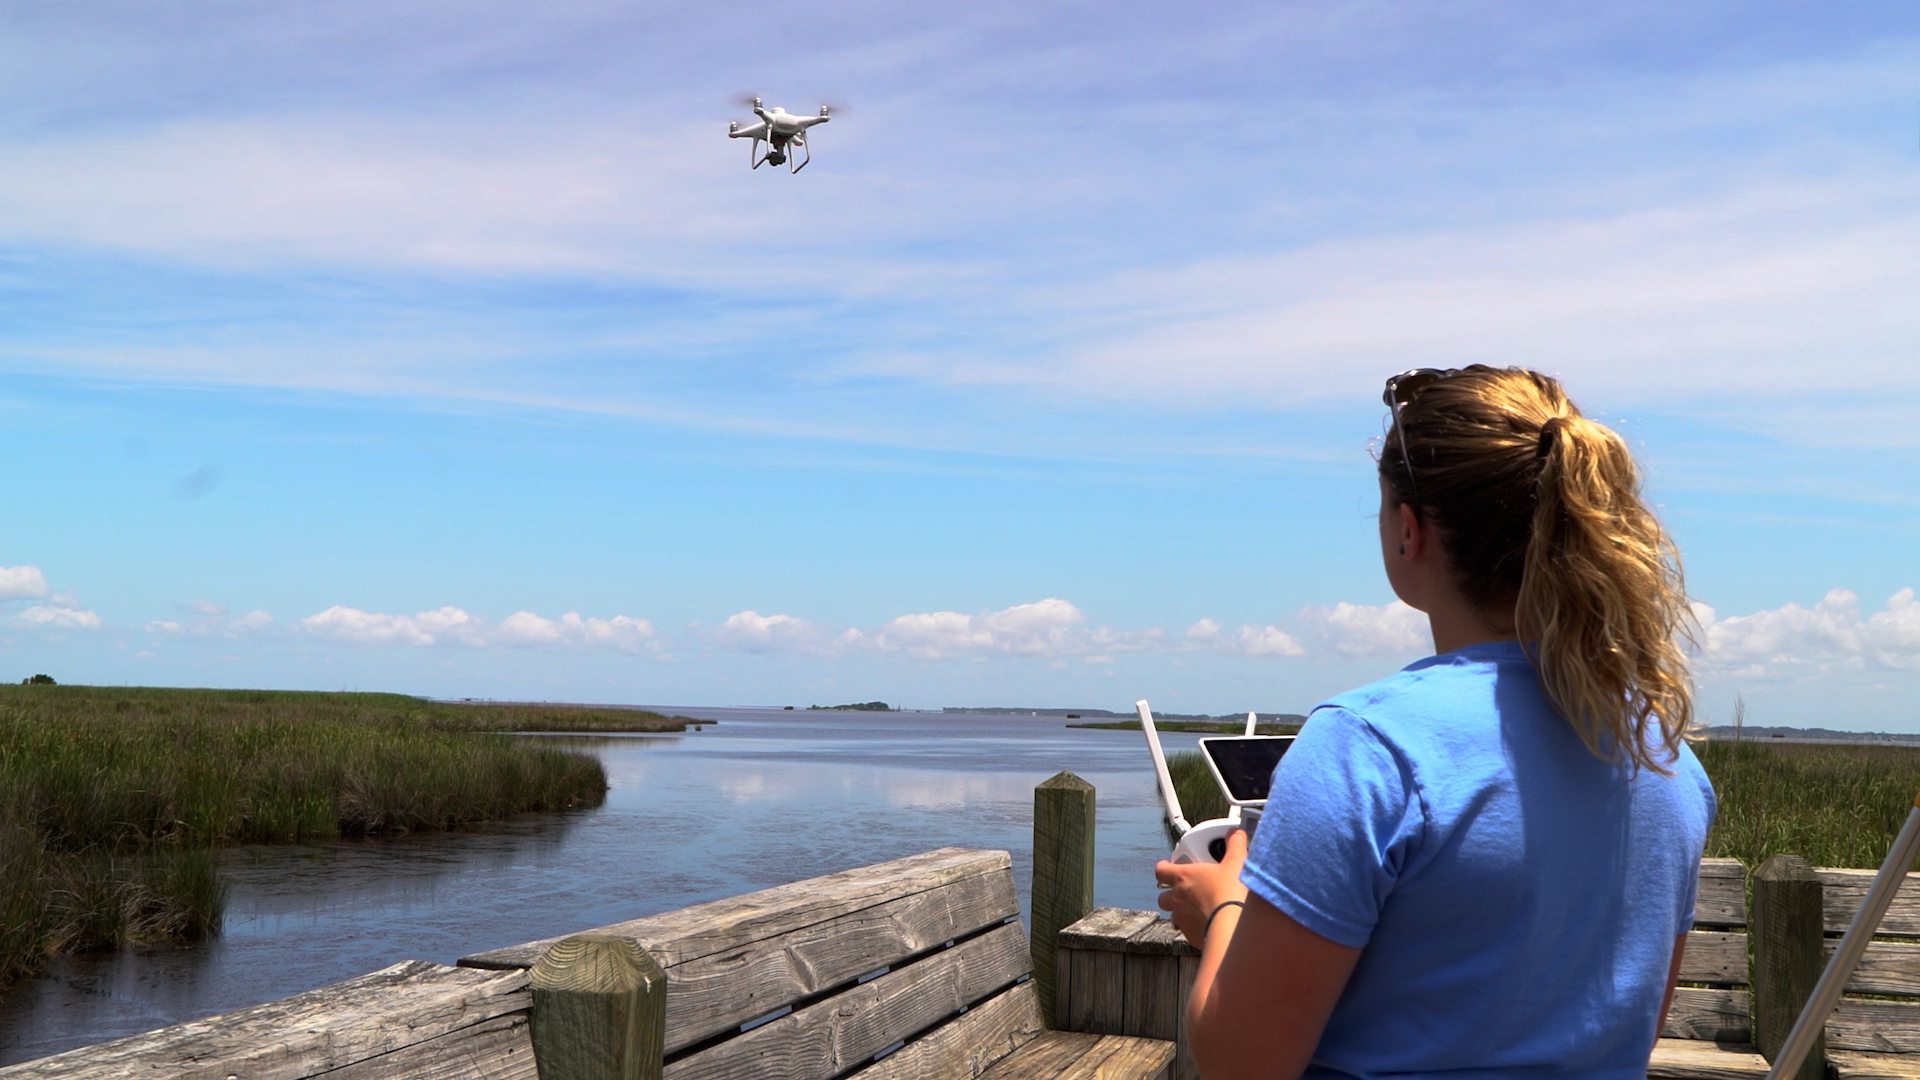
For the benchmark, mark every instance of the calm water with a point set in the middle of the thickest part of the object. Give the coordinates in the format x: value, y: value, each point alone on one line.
x: 762, y: 798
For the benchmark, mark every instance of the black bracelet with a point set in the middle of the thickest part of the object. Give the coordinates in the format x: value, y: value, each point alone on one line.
x: 1218, y: 908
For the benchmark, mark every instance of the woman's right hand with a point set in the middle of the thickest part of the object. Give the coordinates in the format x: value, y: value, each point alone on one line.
x: 1194, y: 891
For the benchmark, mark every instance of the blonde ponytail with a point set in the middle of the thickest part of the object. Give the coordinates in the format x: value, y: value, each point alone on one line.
x: 1541, y: 515
x: 1601, y: 602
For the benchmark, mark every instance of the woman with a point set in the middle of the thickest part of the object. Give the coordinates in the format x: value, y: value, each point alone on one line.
x: 1483, y: 865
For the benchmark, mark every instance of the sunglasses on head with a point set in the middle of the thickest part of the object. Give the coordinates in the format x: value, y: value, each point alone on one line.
x: 1400, y: 392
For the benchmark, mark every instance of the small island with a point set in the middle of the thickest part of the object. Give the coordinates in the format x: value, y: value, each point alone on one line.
x: 864, y: 706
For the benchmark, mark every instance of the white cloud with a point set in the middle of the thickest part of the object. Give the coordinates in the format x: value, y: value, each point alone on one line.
x: 449, y: 624
x: 1269, y: 641
x: 22, y: 582
x: 61, y: 610
x: 454, y: 626
x: 622, y: 632
x: 1831, y: 635
x: 1893, y: 634
x: 1205, y: 631
x: 1361, y: 630
x: 204, y: 618
x: 59, y: 617
x: 1044, y: 628
x: 1739, y: 288
x: 750, y: 631
x: 342, y: 623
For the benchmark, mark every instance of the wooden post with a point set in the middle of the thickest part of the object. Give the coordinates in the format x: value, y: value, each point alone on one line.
x: 1787, y: 932
x: 1062, y: 874
x: 599, y: 1010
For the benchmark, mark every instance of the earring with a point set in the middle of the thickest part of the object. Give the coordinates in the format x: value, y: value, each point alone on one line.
x: 1403, y: 549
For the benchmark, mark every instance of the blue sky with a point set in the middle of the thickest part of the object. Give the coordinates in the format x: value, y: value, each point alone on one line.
x: 451, y: 349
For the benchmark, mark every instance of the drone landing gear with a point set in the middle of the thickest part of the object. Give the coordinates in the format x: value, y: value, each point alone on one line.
x: 777, y: 155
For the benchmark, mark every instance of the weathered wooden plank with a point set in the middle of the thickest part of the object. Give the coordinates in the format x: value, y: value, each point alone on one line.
x: 1854, y: 1065
x: 1118, y: 1056
x: 1695, y: 1059
x: 710, y: 994
x: 831, y: 1036
x: 1887, y: 967
x: 1098, y: 994
x: 1159, y: 937
x: 1049, y: 1055
x: 1074, y: 1055
x: 1183, y: 1066
x: 306, y: 1034
x: 1880, y: 1026
x: 1711, y: 1014
x: 497, y: 1049
x: 1063, y: 833
x: 1844, y: 890
x: 1108, y: 929
x: 1151, y: 1004
x: 1722, y: 897
x: 675, y: 937
x: 1718, y: 957
x: 970, y: 1043
x: 1062, y: 996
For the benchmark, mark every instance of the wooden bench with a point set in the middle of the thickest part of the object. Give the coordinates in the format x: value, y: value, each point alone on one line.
x: 909, y: 970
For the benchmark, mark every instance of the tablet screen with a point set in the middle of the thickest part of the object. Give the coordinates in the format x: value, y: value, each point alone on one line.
x: 1244, y: 764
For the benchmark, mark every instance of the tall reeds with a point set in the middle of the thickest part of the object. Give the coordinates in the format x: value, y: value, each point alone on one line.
x: 1200, y: 795
x: 1832, y: 805
x: 112, y: 801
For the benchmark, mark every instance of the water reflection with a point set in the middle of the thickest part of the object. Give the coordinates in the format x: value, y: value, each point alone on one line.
x: 761, y: 799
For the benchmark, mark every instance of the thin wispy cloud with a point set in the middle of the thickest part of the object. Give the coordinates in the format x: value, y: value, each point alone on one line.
x: 455, y: 626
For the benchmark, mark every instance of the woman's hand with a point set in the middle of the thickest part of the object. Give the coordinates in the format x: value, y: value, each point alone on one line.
x: 1195, y: 890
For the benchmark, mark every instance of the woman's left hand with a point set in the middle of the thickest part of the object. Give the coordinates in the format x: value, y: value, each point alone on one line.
x: 1195, y: 890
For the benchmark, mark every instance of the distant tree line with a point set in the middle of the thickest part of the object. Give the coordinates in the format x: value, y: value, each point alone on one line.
x: 38, y: 680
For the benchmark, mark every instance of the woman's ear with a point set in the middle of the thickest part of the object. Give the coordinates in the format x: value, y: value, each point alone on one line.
x: 1413, y: 532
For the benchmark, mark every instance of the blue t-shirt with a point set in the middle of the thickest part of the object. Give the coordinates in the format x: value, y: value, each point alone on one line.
x: 1515, y: 897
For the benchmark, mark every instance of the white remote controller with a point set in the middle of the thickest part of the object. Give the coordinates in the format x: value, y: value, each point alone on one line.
x: 1202, y: 843
x: 1205, y: 842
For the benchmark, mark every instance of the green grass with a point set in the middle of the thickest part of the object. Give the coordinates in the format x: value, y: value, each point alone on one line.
x: 486, y: 716
x: 1832, y: 805
x: 112, y: 800
x: 1200, y: 795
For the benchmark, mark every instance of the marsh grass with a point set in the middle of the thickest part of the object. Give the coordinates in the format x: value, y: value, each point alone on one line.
x: 1200, y: 795
x: 488, y: 716
x: 1832, y: 805
x: 112, y: 801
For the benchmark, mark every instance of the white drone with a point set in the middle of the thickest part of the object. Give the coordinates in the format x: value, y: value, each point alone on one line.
x: 783, y: 132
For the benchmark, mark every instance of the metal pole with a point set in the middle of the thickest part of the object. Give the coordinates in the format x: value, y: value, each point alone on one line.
x: 1826, y: 992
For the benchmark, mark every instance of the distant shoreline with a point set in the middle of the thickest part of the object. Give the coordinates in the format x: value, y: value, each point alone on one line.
x: 1286, y: 725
